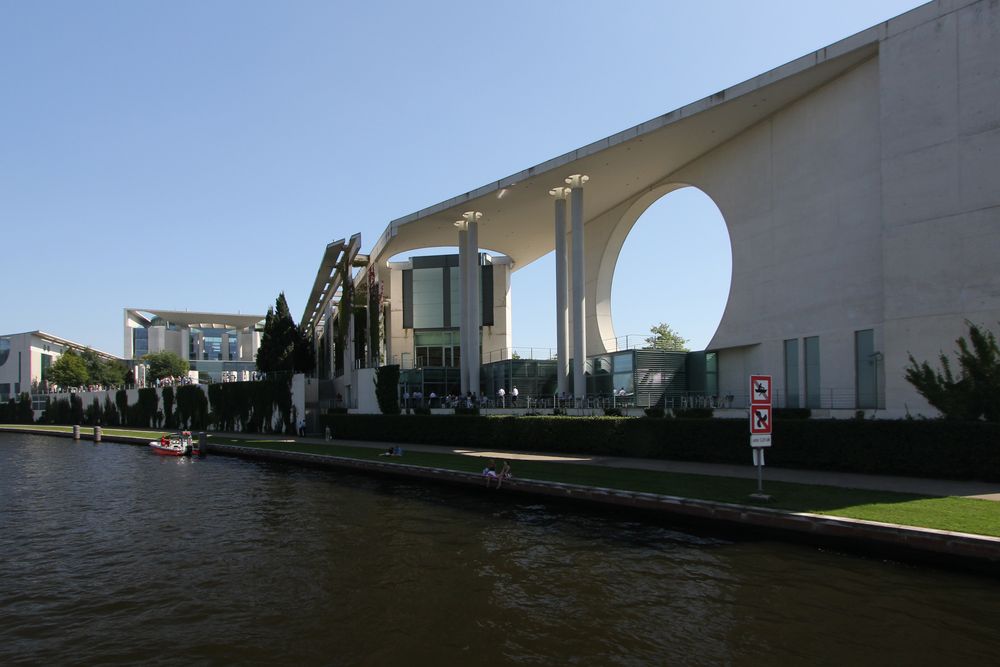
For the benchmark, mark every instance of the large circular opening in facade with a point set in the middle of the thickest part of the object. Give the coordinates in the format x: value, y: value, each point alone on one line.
x: 674, y: 268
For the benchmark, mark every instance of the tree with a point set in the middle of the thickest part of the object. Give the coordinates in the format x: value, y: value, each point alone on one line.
x: 975, y: 392
x: 105, y: 372
x: 69, y: 370
x: 283, y: 344
x: 165, y: 364
x: 665, y: 338
x: 387, y: 389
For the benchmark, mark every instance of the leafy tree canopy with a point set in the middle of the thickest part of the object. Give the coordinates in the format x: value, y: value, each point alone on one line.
x: 974, y: 393
x: 665, y: 338
x: 283, y: 345
x: 165, y: 364
x: 69, y: 370
x: 105, y: 372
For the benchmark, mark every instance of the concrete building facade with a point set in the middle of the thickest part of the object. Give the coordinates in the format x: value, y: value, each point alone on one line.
x: 224, y: 346
x: 25, y: 358
x: 859, y: 188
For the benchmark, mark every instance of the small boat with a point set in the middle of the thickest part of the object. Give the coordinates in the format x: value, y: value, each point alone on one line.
x: 174, y: 444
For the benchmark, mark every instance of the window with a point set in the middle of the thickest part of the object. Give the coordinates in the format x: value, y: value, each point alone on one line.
x: 865, y: 369
x: 428, y: 298
x: 792, y: 373
x: 812, y: 372
x: 140, y: 343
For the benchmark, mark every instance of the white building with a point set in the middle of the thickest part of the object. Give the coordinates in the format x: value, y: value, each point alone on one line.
x: 26, y: 357
x: 219, y: 344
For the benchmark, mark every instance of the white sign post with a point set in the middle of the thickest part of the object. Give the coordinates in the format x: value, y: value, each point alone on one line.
x: 760, y: 427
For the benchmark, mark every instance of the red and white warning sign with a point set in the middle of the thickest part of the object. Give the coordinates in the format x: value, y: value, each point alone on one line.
x: 760, y: 390
x: 760, y: 419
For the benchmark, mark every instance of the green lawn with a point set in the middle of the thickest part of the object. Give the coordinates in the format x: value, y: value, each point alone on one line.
x: 88, y: 431
x: 968, y: 515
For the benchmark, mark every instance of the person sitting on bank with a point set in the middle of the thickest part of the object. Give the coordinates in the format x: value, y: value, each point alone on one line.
x: 490, y: 472
x: 503, y: 474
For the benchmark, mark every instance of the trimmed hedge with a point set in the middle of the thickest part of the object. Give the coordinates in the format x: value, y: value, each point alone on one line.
x: 934, y: 449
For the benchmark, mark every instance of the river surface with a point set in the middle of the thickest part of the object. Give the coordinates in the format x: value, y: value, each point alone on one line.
x: 110, y: 554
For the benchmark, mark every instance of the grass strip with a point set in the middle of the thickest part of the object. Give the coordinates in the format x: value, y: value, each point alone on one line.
x: 88, y: 431
x: 967, y: 515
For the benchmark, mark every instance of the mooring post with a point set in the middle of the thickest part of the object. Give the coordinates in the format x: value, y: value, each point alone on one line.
x: 76, y: 431
x: 97, y: 434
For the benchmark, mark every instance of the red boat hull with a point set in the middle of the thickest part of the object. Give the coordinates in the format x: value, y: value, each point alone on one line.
x: 166, y: 451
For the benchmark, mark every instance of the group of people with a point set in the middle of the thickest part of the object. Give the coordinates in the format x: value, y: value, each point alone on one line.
x: 491, y: 473
x: 502, y: 397
x: 469, y: 400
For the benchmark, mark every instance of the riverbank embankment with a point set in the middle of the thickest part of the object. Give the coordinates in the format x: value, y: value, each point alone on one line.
x: 678, y: 496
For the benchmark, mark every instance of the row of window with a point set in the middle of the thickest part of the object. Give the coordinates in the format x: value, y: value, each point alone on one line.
x: 212, y: 344
x: 866, y: 361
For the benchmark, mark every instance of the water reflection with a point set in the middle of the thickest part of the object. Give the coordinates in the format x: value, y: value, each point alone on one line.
x: 112, y: 554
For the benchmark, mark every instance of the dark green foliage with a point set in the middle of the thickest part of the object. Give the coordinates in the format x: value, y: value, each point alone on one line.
x: 93, y: 413
x: 694, y: 413
x: 612, y: 412
x: 192, y: 407
x: 462, y: 410
x: 654, y: 413
x: 387, y: 389
x: 975, y: 392
x: 110, y: 416
x: 17, y: 410
x: 121, y: 400
x: 165, y: 364
x: 101, y: 371
x: 934, y: 449
x: 781, y: 414
x: 250, y: 406
x: 69, y: 370
x: 143, y: 413
x: 283, y: 345
x: 167, y: 393
x: 57, y: 412
x: 75, y: 409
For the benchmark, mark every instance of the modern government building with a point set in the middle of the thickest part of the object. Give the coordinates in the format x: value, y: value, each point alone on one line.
x: 860, y: 189
x: 220, y: 346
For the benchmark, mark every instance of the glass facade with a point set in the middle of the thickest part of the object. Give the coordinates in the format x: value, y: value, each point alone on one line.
x: 866, y: 369
x: 792, y: 373
x: 437, y: 348
x: 813, y: 396
x: 428, y: 298
x: 234, y: 345
x: 140, y: 343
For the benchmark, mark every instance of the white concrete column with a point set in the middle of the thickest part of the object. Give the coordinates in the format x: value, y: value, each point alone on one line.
x: 575, y: 182
x: 225, y: 347
x: 562, y: 296
x: 463, y: 325
x: 474, y: 305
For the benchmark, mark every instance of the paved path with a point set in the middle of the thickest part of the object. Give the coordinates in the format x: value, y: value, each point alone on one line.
x: 930, y: 487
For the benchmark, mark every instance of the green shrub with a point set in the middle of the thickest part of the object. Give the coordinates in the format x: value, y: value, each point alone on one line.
x: 792, y: 413
x: 654, y: 413
x: 612, y: 412
x: 694, y: 413
x: 932, y: 448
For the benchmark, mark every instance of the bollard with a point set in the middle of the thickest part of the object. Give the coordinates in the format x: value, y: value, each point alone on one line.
x: 326, y: 434
x: 76, y: 432
x: 202, y: 443
x: 97, y: 434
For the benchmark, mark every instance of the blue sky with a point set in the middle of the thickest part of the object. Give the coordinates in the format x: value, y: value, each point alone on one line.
x: 200, y: 155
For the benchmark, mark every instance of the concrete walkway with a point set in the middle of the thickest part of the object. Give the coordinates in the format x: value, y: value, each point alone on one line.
x: 914, y: 485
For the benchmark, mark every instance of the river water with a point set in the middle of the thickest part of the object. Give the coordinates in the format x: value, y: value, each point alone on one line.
x: 112, y: 555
